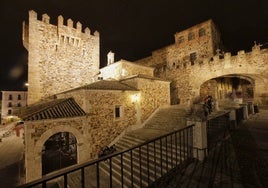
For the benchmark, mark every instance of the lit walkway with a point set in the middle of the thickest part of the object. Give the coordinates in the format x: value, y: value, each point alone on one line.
x: 240, y: 160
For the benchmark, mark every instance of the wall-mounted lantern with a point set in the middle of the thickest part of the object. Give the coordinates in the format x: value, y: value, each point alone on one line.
x: 135, y: 98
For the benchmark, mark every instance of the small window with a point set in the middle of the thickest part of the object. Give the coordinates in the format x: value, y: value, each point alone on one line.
x: 62, y: 38
x: 10, y: 97
x: 19, y: 97
x: 201, y: 32
x: 192, y: 58
x: 9, y: 104
x: 191, y: 36
x: 9, y: 112
x: 181, y: 39
x: 118, y: 112
x: 19, y: 104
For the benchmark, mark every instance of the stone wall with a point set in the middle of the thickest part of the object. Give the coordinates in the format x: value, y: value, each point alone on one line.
x: 100, y: 106
x: 60, y: 57
x: 154, y: 93
x: 38, y: 132
x: 177, y: 54
x: 187, y: 72
x: 174, y: 62
x: 123, y: 69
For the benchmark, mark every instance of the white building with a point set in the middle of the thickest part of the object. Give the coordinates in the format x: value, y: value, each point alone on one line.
x: 12, y: 100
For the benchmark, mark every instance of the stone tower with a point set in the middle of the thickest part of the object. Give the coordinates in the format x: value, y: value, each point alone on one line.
x: 60, y: 57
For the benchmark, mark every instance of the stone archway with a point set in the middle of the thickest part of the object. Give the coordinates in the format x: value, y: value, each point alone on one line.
x: 235, y: 88
x: 59, y: 151
x: 34, y: 147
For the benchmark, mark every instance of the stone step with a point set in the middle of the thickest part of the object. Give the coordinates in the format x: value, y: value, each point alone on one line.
x: 156, y: 157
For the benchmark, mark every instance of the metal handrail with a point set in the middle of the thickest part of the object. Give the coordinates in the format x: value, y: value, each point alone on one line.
x: 64, y: 172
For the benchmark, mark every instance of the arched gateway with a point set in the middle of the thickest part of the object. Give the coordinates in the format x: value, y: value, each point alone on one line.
x: 229, y: 88
x: 56, y: 136
x: 59, y: 151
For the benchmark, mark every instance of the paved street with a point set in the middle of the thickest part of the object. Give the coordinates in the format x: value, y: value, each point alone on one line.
x: 11, y: 154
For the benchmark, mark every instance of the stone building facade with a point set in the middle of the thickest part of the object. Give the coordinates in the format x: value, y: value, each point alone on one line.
x: 11, y: 101
x: 48, y: 63
x: 195, y: 58
x: 113, y: 106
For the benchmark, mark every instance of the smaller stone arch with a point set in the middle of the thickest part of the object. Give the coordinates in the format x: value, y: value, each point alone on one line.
x: 46, y: 135
x: 34, y: 159
x: 59, y: 151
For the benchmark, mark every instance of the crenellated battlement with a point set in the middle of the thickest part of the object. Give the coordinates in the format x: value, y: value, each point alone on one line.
x: 33, y: 16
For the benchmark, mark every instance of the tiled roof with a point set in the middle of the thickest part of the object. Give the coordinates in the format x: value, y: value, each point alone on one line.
x: 57, y: 108
x: 108, y: 85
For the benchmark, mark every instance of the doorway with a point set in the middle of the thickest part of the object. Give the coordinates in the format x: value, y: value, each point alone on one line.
x: 59, y: 151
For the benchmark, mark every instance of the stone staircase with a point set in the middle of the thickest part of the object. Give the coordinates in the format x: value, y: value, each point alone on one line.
x: 148, y: 164
x: 159, y: 158
x: 168, y: 118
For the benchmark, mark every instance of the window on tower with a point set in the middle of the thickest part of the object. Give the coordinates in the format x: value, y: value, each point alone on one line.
x: 191, y: 36
x: 201, y: 32
x: 181, y: 39
x: 193, y: 58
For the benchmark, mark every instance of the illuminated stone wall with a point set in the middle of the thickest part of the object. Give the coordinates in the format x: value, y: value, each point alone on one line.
x: 177, y: 54
x: 123, y: 69
x: 100, y: 106
x: 188, y: 71
x: 154, y: 93
x: 60, y: 57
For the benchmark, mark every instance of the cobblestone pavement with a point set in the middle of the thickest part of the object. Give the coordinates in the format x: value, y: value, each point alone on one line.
x: 239, y: 160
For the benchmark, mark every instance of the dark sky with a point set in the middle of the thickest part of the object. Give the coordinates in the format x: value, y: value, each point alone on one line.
x: 130, y: 28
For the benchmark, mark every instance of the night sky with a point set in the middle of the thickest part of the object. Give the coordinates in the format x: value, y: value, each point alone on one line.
x: 130, y: 28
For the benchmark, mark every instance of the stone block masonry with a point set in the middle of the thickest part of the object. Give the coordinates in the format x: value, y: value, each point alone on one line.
x: 61, y: 57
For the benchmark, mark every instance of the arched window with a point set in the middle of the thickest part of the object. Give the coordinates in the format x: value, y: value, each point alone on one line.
x: 19, y: 97
x: 10, y: 97
x: 201, y: 32
x: 191, y: 36
x: 10, y: 104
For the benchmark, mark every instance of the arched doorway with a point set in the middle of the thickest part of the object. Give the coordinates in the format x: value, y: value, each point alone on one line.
x: 59, y: 151
x: 234, y: 88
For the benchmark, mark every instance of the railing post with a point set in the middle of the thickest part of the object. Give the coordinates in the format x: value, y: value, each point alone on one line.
x: 251, y: 108
x: 245, y: 111
x: 199, y: 137
x: 232, y: 118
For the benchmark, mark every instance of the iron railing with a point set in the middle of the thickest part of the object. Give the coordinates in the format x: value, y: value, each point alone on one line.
x: 217, y: 128
x: 138, y: 166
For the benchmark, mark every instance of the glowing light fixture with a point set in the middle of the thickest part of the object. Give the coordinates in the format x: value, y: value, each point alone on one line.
x: 135, y: 98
